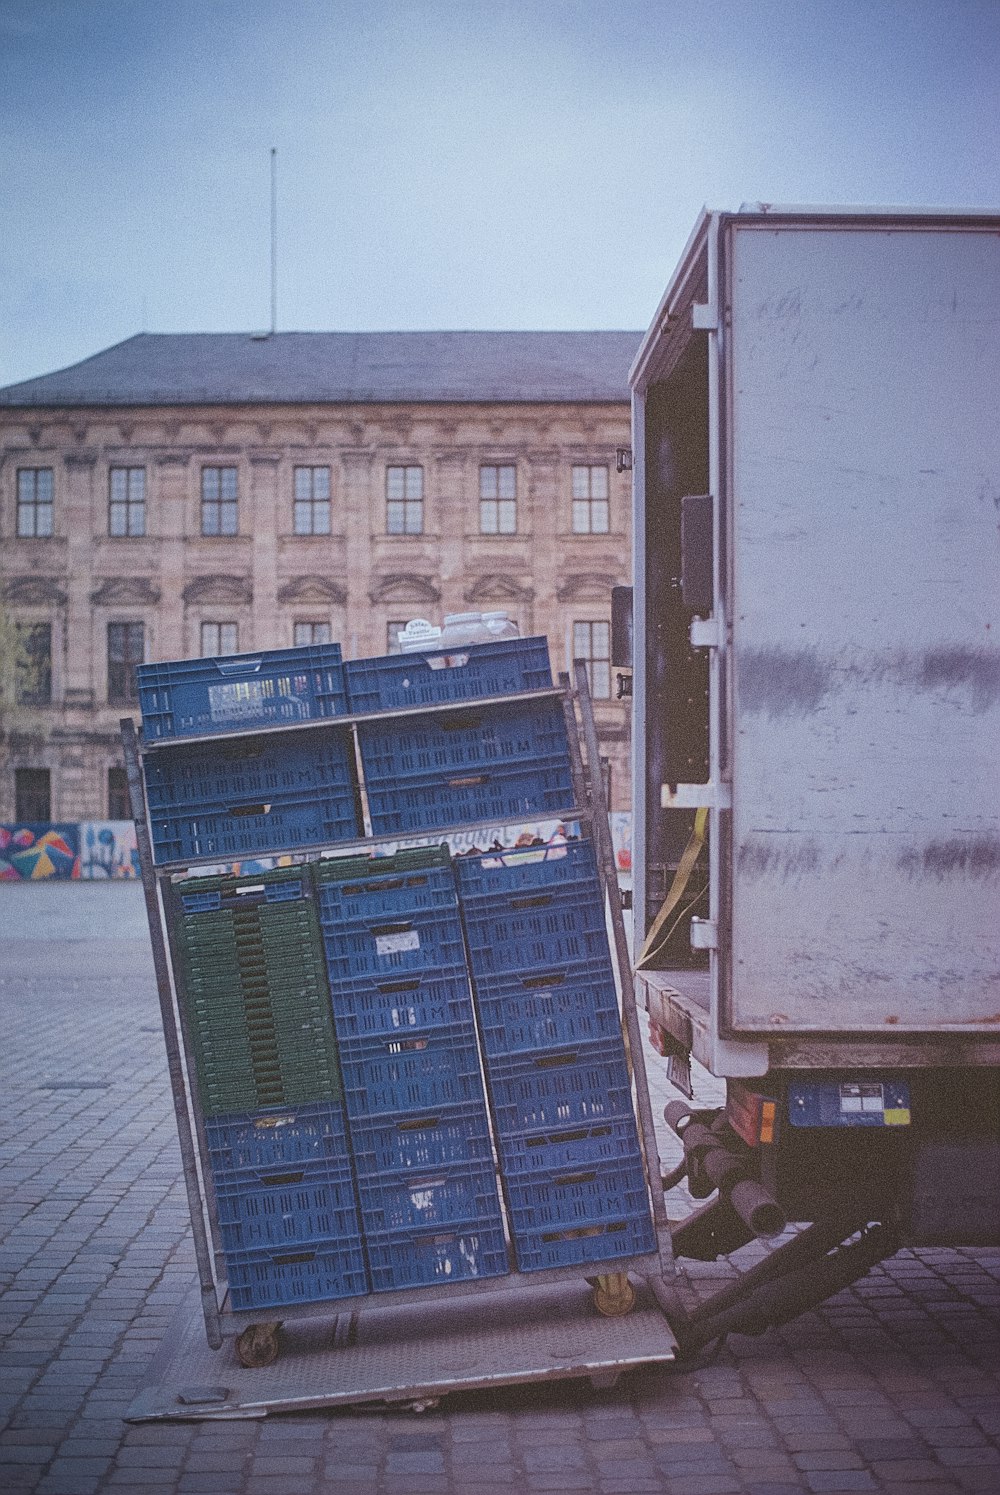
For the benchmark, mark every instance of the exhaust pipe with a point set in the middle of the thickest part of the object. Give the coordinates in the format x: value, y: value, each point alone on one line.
x: 711, y: 1164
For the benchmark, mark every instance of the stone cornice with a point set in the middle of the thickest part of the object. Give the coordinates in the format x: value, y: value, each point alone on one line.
x: 404, y: 587
x: 218, y: 588
x: 34, y: 591
x: 498, y: 587
x: 312, y: 589
x: 126, y: 591
x: 586, y: 586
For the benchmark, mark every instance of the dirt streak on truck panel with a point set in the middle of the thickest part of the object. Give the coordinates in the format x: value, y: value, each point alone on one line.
x: 785, y: 682
x: 972, y: 856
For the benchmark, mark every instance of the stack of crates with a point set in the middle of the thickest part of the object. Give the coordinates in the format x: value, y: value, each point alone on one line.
x: 254, y: 997
x: 243, y: 794
x: 561, y: 1098
x: 256, y: 1010
x: 491, y: 764
x: 286, y: 1203
x: 416, y: 1104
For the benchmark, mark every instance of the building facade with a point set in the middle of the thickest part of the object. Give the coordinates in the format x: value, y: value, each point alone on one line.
x: 194, y: 495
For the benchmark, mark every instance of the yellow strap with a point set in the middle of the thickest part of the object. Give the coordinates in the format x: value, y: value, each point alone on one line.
x: 684, y: 869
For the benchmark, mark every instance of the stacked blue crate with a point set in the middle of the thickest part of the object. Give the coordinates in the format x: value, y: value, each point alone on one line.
x: 240, y: 692
x: 286, y: 1205
x: 254, y: 993
x: 545, y: 993
x: 475, y: 764
x: 246, y: 794
x: 413, y: 1086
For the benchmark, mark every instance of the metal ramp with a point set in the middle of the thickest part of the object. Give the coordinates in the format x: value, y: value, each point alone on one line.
x: 408, y: 1356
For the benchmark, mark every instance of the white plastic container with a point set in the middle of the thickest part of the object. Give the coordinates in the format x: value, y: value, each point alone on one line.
x: 459, y: 628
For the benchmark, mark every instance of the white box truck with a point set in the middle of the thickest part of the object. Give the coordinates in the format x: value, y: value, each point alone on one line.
x: 816, y: 682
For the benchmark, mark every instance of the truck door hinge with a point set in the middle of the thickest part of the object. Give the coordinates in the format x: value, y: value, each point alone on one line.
x: 694, y: 796
x: 705, y: 633
x: 704, y: 934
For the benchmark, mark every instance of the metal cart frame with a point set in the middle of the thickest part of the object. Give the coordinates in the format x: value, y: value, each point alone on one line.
x: 255, y: 1331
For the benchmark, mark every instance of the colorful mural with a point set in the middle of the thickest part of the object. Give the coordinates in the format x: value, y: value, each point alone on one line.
x: 96, y: 850
x: 28, y: 852
x: 108, y: 850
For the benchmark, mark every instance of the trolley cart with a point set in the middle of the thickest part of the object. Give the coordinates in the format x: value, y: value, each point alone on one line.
x: 611, y: 1280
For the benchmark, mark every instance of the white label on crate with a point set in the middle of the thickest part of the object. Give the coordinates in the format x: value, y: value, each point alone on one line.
x: 392, y: 944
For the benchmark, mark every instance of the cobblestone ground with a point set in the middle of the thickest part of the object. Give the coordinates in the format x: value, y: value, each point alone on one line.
x: 891, y: 1386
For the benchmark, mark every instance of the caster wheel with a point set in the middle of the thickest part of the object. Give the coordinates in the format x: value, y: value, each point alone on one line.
x: 614, y: 1295
x: 258, y: 1346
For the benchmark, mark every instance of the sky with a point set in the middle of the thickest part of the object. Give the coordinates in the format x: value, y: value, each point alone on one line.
x: 446, y: 163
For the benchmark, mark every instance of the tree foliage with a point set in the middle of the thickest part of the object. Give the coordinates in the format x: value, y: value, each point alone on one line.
x: 19, y: 676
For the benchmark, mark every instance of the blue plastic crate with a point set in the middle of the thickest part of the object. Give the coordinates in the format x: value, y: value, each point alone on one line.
x: 385, y: 887
x: 521, y: 922
x: 416, y: 1198
x: 240, y: 692
x: 498, y: 796
x: 278, y: 1136
x: 579, y: 1245
x: 412, y: 1072
x: 545, y: 1009
x: 214, y: 899
x: 311, y: 1272
x: 613, y: 1140
x: 515, y: 871
x: 559, y: 1088
x: 577, y: 1195
x: 440, y: 1254
x: 204, y: 776
x: 276, y: 1207
x: 422, y: 1000
x: 286, y: 823
x: 463, y: 742
x: 393, y: 945
x: 428, y: 1139
x: 463, y: 673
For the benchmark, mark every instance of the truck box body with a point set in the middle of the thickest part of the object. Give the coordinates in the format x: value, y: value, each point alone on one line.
x: 830, y: 379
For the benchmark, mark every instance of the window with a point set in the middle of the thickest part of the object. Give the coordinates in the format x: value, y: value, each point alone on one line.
x: 404, y: 493
x: 32, y: 796
x: 125, y: 651
x: 312, y: 633
x: 33, y: 673
x: 497, y: 500
x: 590, y: 500
x: 592, y: 644
x: 392, y: 631
x: 34, y: 502
x: 312, y: 500
x: 127, y: 501
x: 219, y: 501
x: 119, y: 804
x: 219, y: 638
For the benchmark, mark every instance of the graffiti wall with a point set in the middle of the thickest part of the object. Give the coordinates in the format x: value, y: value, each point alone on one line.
x: 105, y: 850
x: 96, y: 850
x: 35, y: 851
x: 108, y: 850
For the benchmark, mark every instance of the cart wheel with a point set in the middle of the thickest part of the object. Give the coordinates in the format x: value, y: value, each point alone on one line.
x: 258, y: 1346
x: 614, y: 1295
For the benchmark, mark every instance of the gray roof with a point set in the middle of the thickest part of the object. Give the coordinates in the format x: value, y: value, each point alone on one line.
x: 207, y: 368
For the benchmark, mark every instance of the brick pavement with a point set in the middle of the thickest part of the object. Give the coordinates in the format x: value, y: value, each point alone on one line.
x: 892, y: 1386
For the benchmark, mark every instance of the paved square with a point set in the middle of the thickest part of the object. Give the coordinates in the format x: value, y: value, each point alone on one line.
x: 891, y: 1386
